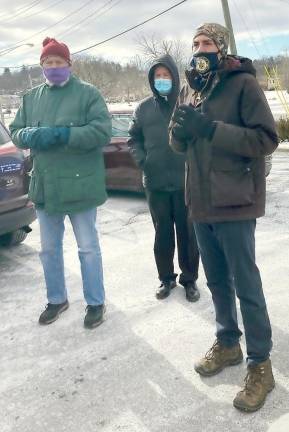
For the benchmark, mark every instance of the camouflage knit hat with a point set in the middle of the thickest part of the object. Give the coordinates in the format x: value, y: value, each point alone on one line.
x: 219, y: 34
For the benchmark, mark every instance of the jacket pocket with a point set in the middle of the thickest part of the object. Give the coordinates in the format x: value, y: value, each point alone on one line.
x: 232, y: 188
x: 36, y: 189
x: 77, y: 187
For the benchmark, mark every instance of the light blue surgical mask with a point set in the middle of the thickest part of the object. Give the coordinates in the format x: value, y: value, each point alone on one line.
x: 163, y: 86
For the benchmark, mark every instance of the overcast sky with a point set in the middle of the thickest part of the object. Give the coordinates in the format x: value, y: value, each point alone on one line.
x: 261, y: 26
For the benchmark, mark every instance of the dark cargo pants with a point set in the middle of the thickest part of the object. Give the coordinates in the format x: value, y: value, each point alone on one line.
x: 228, y: 255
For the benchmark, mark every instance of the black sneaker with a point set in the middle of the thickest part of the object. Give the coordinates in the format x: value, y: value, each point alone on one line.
x: 52, y: 312
x: 94, y: 316
x: 165, y: 289
x: 192, y: 292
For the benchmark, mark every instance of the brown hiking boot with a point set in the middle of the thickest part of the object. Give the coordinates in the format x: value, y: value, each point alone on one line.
x: 258, y: 383
x: 217, y: 358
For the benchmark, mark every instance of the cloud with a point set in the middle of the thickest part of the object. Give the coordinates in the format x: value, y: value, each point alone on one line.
x: 252, y: 20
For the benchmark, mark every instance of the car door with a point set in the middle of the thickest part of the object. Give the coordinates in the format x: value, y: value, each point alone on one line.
x: 13, y: 178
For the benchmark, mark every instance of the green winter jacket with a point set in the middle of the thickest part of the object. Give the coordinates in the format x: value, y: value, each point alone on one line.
x: 71, y: 178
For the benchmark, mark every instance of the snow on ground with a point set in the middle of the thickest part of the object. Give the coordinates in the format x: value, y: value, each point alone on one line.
x: 277, y: 102
x: 124, y: 106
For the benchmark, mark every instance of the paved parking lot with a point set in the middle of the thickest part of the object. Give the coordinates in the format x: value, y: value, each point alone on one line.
x: 135, y: 372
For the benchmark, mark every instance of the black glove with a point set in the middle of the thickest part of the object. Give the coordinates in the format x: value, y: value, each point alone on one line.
x: 179, y: 133
x: 191, y: 123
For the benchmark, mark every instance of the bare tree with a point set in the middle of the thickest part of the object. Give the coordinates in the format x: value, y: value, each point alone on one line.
x: 116, y: 82
x: 154, y: 46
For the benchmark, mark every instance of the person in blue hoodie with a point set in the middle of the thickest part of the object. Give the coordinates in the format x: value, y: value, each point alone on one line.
x: 164, y: 180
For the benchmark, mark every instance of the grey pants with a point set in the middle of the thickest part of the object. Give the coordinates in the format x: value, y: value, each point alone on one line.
x: 228, y: 255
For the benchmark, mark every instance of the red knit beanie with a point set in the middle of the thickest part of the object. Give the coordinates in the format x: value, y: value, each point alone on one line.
x: 53, y: 47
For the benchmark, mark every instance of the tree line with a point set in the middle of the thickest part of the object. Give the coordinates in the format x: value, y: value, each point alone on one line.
x: 115, y: 81
x: 120, y: 83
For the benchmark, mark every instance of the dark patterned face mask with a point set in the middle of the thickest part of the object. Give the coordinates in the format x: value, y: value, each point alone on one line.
x: 199, y: 68
x: 195, y: 80
x: 205, y: 62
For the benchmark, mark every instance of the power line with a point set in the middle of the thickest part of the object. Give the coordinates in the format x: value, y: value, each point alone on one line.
x: 53, y: 25
x: 6, y: 51
x: 18, y: 9
x: 94, y: 13
x: 248, y: 31
x: 131, y: 28
x: 258, y: 27
x: 112, y: 37
x: 19, y: 13
x: 40, y: 11
x: 247, y: 28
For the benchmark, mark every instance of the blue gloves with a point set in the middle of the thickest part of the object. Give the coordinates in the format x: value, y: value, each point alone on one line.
x: 63, y: 135
x: 44, y: 138
x: 190, y: 123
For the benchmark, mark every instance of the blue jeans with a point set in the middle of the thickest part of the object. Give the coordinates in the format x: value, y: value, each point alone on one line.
x: 228, y: 254
x: 51, y: 255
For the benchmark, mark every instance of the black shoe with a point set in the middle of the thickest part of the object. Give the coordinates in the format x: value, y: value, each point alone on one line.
x: 52, y: 312
x: 165, y: 289
x: 94, y: 316
x: 192, y: 292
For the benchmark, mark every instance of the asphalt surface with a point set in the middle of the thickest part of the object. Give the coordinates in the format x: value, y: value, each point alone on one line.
x: 135, y: 372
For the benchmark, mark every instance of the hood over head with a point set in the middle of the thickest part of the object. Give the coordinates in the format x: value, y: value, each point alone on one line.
x: 167, y: 61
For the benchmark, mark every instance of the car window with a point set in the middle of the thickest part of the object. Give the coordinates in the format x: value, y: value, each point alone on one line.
x: 120, y: 124
x: 4, y: 136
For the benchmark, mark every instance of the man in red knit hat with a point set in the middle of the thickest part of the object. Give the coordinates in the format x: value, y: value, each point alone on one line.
x: 55, y: 60
x: 65, y: 123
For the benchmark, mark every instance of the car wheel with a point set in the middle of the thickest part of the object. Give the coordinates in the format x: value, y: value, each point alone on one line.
x: 13, y: 238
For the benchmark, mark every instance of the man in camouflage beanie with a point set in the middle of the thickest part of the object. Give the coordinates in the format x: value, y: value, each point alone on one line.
x: 224, y: 126
x: 210, y: 48
x: 218, y: 33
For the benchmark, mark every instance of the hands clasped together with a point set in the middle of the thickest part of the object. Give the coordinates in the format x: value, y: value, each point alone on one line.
x: 190, y: 123
x: 44, y: 138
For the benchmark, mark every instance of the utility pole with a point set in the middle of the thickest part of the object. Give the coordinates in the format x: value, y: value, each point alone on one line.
x: 228, y: 21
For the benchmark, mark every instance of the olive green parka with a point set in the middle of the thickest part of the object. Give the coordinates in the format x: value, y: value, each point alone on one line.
x: 70, y: 178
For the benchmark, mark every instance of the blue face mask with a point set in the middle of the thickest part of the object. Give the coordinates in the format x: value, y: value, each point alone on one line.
x: 205, y: 62
x: 163, y: 86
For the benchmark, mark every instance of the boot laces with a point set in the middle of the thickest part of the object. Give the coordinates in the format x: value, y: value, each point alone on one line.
x: 252, y: 378
x: 216, y: 348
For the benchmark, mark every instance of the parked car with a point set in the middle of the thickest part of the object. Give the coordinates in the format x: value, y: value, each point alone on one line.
x: 16, y: 210
x: 121, y: 170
